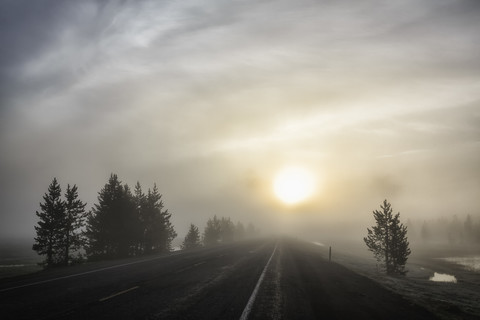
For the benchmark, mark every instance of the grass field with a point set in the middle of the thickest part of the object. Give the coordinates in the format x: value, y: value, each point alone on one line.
x: 449, y: 300
x: 17, y: 257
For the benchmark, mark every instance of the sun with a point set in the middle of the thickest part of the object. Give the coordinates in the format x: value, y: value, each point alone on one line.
x: 293, y: 185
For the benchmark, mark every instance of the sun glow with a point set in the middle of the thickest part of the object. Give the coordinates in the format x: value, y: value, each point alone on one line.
x: 293, y: 185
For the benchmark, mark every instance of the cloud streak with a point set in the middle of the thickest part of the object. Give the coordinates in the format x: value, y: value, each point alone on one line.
x: 201, y: 96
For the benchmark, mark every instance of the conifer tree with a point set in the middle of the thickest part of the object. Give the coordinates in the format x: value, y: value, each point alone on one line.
x: 110, y: 226
x: 71, y: 237
x: 211, y: 234
x: 74, y: 221
x: 388, y: 240
x: 192, y: 239
x: 50, y: 227
x: 158, y: 230
x: 227, y: 230
x: 139, y: 199
x: 125, y: 224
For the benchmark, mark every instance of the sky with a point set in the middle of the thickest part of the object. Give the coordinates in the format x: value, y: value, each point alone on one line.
x: 210, y: 99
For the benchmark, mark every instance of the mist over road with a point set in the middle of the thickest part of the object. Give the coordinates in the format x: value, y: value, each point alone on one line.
x: 296, y: 282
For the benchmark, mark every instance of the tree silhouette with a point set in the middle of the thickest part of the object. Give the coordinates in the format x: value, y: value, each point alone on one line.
x: 74, y: 221
x: 388, y: 240
x: 139, y: 199
x: 112, y: 223
x: 211, y: 235
x: 125, y: 224
x: 227, y: 230
x: 49, y: 228
x: 158, y: 230
x: 192, y: 239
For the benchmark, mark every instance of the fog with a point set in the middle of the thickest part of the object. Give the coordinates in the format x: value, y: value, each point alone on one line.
x: 211, y: 99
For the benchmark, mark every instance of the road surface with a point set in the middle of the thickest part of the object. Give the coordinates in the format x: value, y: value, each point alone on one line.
x: 261, y: 279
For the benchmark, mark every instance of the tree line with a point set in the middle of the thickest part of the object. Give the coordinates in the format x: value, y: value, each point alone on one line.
x: 454, y: 230
x: 123, y: 223
x: 388, y: 240
x: 217, y: 231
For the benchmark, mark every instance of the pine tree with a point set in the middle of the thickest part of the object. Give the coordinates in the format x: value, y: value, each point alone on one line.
x: 158, y: 230
x: 72, y: 240
x: 227, y: 230
x: 139, y: 199
x: 111, y: 225
x: 50, y: 227
x: 192, y: 239
x: 211, y: 234
x: 388, y: 240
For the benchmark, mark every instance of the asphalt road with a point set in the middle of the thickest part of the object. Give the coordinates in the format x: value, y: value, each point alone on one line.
x: 262, y: 279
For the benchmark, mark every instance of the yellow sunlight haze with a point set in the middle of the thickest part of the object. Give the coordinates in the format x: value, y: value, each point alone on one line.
x: 293, y: 185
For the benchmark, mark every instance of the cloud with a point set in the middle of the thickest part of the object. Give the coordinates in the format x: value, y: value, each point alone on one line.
x: 200, y: 96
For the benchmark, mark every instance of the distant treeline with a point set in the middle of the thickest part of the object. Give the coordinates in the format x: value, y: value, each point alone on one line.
x: 217, y: 231
x: 122, y: 224
x: 454, y: 230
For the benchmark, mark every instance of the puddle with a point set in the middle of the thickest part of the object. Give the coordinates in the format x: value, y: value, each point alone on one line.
x: 443, y: 277
x: 319, y: 244
x: 470, y: 263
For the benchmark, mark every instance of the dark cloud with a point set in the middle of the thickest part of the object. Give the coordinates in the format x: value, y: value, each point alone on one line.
x: 27, y: 28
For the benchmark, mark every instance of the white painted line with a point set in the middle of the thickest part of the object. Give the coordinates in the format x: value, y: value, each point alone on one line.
x: 250, y: 302
x: 87, y: 272
x: 118, y: 293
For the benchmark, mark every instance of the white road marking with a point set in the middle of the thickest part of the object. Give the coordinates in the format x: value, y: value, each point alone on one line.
x: 250, y: 302
x: 118, y: 293
x: 87, y: 272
